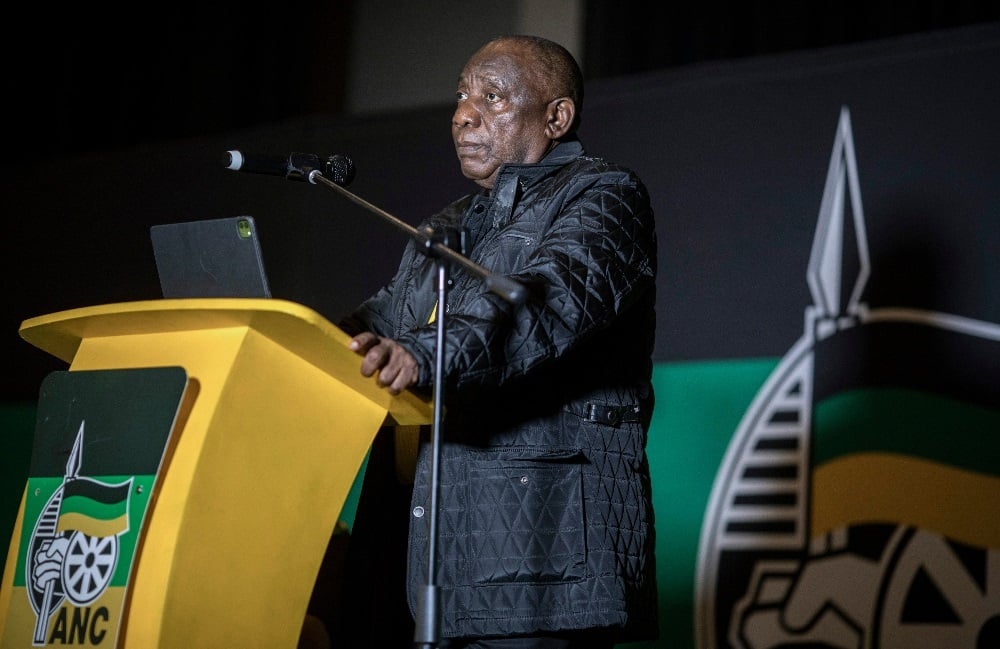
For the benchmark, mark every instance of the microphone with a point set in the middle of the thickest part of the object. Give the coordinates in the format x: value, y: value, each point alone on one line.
x: 297, y: 166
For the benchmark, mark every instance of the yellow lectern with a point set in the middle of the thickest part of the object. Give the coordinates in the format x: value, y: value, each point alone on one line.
x: 275, y: 424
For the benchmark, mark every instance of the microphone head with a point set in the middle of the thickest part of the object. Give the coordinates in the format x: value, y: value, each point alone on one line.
x: 233, y: 160
x: 340, y: 169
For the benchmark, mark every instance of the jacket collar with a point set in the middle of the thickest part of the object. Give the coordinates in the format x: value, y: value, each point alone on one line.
x: 562, y: 153
x: 512, y: 179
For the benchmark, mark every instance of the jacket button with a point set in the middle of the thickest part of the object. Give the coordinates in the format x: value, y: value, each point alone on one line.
x: 418, y: 511
x: 524, y: 479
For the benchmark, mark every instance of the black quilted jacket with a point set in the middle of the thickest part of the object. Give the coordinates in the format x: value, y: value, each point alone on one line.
x: 545, y: 516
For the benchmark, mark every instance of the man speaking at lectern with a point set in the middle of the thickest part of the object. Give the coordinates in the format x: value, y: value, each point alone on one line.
x: 545, y: 514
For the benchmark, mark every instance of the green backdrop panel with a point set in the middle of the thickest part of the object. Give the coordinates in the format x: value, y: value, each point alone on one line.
x: 698, y: 407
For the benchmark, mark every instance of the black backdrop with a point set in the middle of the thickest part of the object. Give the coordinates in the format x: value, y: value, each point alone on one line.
x: 735, y: 154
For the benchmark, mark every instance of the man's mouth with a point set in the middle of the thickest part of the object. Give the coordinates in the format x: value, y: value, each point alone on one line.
x: 467, y: 145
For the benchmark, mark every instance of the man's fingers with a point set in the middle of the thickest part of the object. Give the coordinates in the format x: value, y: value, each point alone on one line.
x: 399, y: 382
x: 362, y: 342
x: 396, y: 369
x: 376, y: 359
x: 399, y: 371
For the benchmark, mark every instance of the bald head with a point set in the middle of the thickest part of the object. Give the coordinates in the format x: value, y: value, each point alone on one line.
x: 553, y: 67
x: 517, y: 98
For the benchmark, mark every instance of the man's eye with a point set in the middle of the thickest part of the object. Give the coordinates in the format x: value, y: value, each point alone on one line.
x: 459, y: 96
x: 492, y: 97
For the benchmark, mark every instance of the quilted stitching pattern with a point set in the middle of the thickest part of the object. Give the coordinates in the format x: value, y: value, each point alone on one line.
x: 545, y: 519
x: 525, y: 522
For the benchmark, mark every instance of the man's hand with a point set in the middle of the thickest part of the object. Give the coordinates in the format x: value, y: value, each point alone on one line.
x: 396, y: 367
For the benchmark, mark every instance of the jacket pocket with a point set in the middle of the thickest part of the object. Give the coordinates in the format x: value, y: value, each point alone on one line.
x: 526, y: 521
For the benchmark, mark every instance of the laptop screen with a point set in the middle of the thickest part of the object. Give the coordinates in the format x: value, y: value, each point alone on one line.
x: 210, y: 258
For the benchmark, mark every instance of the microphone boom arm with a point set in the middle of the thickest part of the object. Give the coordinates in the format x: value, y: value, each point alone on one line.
x: 505, y: 287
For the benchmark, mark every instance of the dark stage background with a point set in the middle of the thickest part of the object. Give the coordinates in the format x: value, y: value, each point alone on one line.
x: 116, y: 125
x: 730, y: 115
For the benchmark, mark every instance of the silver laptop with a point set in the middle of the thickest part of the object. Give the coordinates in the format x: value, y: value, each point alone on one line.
x: 210, y: 258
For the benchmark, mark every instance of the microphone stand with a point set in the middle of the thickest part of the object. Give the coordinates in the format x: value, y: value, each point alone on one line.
x: 444, y: 247
x: 505, y: 287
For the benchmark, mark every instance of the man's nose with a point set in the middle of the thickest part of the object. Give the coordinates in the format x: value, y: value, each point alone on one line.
x: 465, y: 115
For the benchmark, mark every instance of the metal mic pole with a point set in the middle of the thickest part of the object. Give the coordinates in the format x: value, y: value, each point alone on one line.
x: 427, y: 618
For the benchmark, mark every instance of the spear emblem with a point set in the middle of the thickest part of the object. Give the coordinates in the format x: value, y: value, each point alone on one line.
x: 47, y: 532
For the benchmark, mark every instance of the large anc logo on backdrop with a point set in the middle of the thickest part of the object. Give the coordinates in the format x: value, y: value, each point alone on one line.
x: 858, y: 504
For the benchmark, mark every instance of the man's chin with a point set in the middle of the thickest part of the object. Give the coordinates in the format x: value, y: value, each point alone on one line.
x: 477, y: 173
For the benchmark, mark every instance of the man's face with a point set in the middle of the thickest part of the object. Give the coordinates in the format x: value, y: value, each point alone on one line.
x: 501, y: 114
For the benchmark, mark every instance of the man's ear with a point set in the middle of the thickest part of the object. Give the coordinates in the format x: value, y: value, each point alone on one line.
x: 561, y: 113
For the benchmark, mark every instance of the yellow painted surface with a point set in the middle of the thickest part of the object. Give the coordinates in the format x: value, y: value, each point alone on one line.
x: 276, y: 423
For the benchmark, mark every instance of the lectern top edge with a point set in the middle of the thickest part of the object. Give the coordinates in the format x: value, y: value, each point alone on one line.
x: 295, y: 327
x: 60, y: 333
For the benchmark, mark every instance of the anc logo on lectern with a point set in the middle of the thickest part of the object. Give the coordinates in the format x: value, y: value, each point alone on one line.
x: 74, y: 547
x: 858, y: 504
x: 100, y: 439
